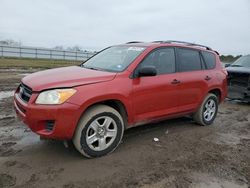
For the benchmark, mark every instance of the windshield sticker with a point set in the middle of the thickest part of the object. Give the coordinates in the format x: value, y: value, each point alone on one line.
x: 139, y: 49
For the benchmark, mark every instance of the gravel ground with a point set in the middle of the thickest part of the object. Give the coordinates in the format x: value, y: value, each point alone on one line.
x: 186, y: 155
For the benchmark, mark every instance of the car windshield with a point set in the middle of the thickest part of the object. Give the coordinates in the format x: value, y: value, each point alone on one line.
x: 113, y: 59
x: 244, y: 61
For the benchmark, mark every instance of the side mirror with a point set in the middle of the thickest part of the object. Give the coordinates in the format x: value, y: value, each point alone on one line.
x: 147, y: 71
x: 227, y: 65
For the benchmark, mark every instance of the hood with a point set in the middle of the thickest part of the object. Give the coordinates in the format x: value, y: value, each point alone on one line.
x: 65, y: 77
x: 238, y: 70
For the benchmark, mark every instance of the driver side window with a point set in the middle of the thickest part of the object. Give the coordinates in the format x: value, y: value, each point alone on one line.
x: 162, y: 59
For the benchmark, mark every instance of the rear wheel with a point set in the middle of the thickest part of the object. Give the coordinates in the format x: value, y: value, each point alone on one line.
x: 99, y: 131
x: 207, y: 112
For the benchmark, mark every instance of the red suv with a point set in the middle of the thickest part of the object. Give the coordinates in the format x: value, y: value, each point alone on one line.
x: 120, y: 87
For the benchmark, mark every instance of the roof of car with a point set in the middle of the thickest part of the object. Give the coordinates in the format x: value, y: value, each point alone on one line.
x: 170, y: 43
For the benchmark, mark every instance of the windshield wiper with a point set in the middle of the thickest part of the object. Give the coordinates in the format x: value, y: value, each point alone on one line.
x: 236, y: 66
x: 92, y: 68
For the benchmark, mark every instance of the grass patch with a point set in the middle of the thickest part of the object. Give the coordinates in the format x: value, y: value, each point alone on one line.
x: 26, y: 63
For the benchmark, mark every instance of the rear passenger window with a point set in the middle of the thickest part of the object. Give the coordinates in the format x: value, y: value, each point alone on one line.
x: 162, y: 59
x: 209, y: 59
x: 188, y: 60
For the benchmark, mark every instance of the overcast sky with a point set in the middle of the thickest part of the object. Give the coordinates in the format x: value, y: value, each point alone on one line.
x: 222, y: 24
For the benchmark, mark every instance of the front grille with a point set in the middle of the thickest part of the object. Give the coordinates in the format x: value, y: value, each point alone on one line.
x: 49, y: 125
x: 25, y: 92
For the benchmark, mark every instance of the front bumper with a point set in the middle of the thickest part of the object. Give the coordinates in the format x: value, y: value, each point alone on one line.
x: 49, y: 121
x: 239, y: 92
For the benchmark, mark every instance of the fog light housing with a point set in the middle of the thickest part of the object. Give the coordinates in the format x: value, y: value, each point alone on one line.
x: 49, y: 125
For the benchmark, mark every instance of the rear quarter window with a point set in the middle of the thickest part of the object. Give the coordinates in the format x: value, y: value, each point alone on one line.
x: 188, y: 60
x: 209, y: 59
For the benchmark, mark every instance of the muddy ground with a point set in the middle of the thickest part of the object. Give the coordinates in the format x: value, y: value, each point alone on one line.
x: 187, y: 155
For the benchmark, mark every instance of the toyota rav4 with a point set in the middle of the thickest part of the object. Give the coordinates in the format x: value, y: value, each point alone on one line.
x: 120, y: 87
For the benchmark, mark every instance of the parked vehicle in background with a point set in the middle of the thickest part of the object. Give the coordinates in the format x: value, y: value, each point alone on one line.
x: 121, y: 87
x: 239, y: 79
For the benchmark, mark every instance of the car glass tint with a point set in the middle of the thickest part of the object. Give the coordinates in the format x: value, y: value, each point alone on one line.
x: 243, y: 61
x: 162, y: 59
x: 188, y: 60
x: 114, y: 59
x: 209, y: 59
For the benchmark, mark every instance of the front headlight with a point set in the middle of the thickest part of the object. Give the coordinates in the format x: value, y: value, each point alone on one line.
x: 55, y: 96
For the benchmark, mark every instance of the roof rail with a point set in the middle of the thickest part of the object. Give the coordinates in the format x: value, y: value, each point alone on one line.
x: 131, y: 42
x: 183, y: 42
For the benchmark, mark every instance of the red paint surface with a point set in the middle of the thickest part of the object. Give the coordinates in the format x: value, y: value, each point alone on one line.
x: 145, y: 99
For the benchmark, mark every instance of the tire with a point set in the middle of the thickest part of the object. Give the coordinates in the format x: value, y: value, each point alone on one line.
x: 207, y: 112
x: 99, y: 131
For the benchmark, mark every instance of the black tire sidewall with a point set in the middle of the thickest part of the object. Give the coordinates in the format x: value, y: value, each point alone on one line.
x: 115, y: 143
x: 216, y: 110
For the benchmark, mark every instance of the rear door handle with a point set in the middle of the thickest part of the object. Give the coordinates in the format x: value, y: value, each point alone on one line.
x: 208, y: 78
x: 175, y: 81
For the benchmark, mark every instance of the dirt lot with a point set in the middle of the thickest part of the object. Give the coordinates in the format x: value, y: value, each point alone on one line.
x: 187, y: 155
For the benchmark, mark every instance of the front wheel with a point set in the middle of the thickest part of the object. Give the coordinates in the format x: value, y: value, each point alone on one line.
x: 207, y: 112
x: 99, y: 131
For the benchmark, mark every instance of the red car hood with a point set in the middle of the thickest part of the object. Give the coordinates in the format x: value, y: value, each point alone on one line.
x: 65, y: 77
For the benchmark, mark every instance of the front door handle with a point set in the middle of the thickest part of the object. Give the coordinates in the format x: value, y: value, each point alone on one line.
x: 208, y: 78
x: 175, y: 81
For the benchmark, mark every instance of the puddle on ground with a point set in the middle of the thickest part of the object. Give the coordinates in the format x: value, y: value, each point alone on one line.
x: 199, y: 180
x: 24, y: 74
x: 6, y: 94
x: 231, y: 139
x: 15, y: 139
x: 207, y: 181
x: 6, y: 117
x: 28, y: 140
x: 219, y: 184
x: 20, y: 70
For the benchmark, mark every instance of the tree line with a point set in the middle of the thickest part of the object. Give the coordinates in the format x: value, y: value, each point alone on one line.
x: 229, y: 58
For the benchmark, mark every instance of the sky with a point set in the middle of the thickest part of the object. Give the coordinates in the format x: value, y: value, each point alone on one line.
x: 223, y: 25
